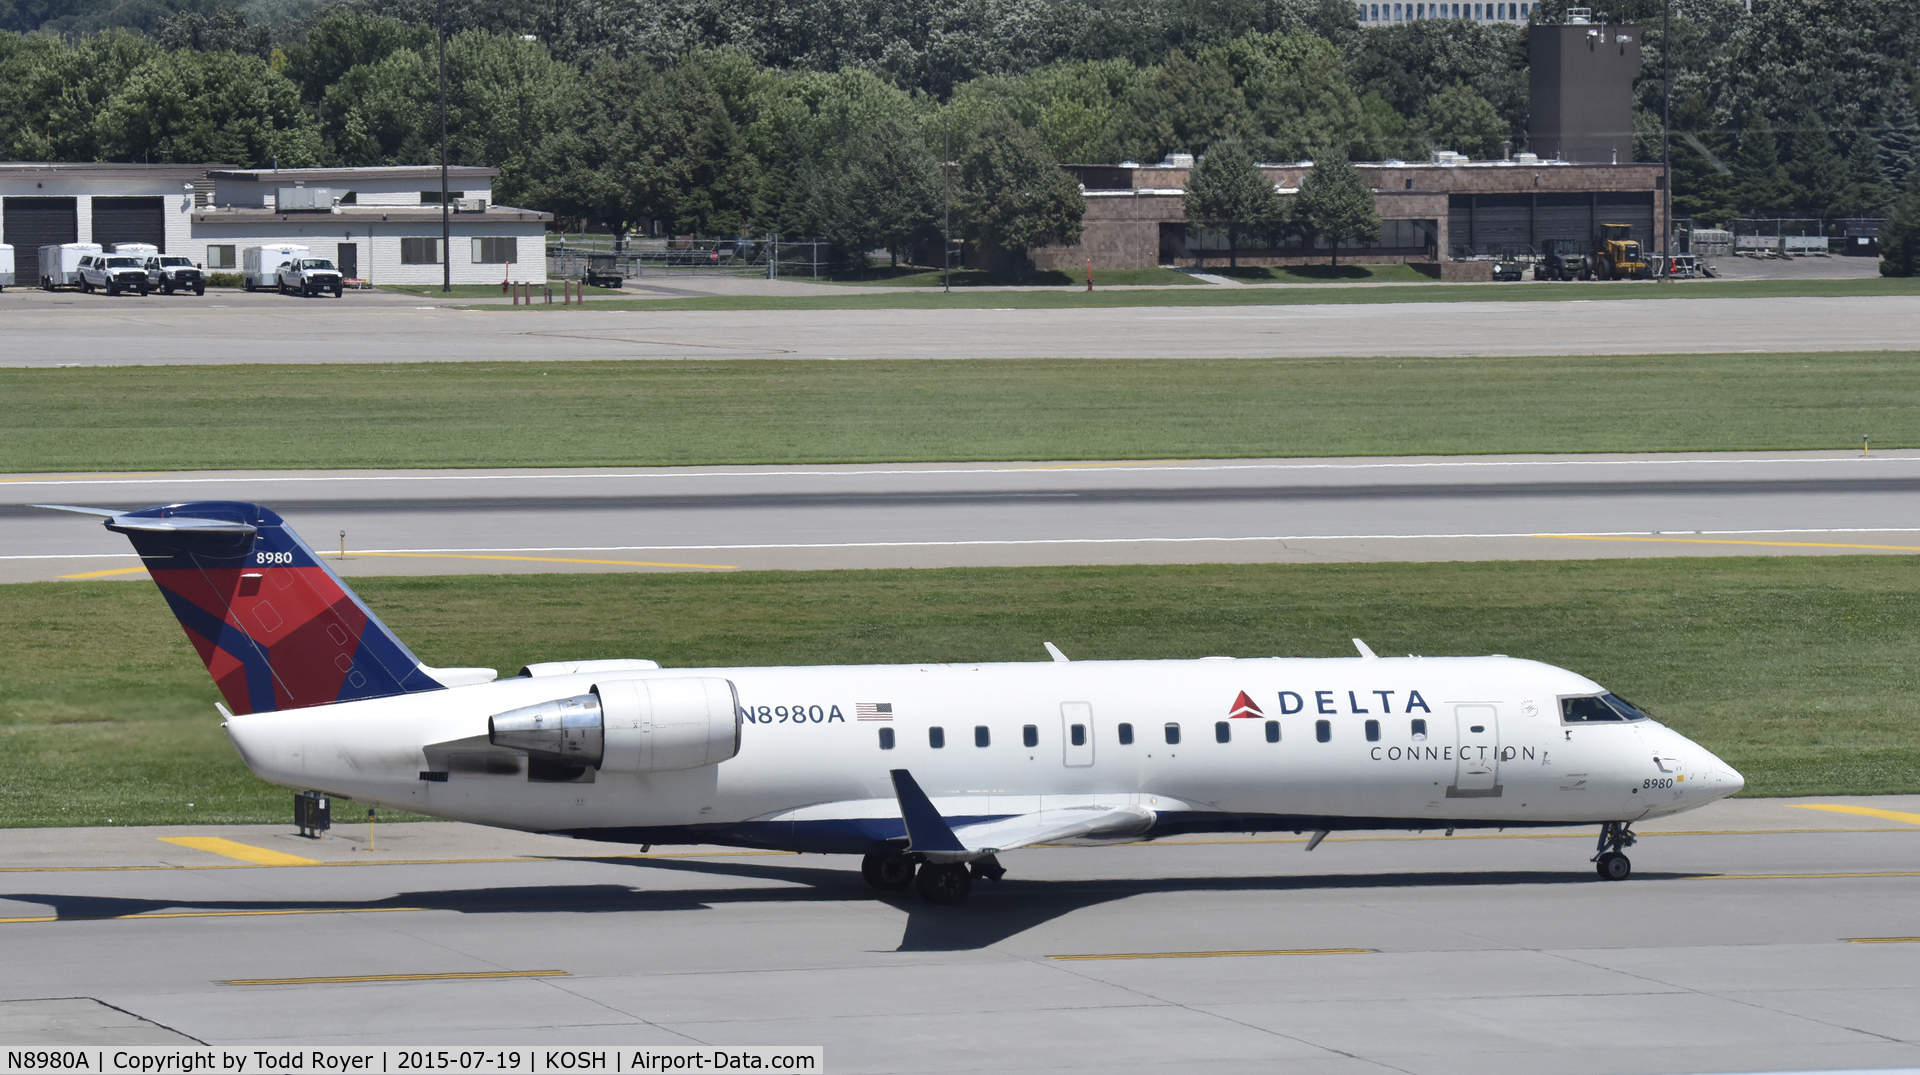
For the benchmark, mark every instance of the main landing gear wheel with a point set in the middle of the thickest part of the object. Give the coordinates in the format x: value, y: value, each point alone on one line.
x: 1608, y: 861
x: 944, y: 883
x: 888, y: 872
x: 1613, y: 866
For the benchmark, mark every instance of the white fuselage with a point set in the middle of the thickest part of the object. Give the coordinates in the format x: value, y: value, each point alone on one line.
x: 811, y: 773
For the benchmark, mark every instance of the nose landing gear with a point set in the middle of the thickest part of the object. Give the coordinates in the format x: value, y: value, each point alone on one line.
x: 1608, y: 861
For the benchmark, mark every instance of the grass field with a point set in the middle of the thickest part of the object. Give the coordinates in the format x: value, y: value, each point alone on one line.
x: 1071, y: 297
x: 480, y: 291
x: 672, y: 413
x: 1799, y: 671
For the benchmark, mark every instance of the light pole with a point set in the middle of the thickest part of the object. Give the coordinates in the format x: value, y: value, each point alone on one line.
x: 446, y: 210
x: 1666, y: 126
x: 946, y: 211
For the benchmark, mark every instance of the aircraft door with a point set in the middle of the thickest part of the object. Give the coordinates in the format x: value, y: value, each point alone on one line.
x: 1076, y: 732
x: 1477, y: 757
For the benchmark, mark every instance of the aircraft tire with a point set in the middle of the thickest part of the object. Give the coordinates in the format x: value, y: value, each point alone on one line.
x: 944, y: 883
x: 1613, y: 866
x: 888, y: 872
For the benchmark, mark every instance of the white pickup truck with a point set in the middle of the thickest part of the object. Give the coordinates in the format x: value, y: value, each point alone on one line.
x: 308, y: 276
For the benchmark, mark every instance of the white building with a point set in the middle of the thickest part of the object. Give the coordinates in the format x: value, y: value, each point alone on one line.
x: 378, y: 224
x: 1372, y: 14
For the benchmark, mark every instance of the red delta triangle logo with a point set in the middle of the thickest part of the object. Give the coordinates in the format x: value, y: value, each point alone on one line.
x: 1243, y: 707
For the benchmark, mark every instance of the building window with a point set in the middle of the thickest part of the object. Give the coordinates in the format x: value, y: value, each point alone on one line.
x: 220, y: 257
x: 1373, y: 731
x: 1323, y: 730
x: 424, y: 250
x: 503, y: 251
x: 432, y: 197
x: 1030, y: 736
x: 981, y: 737
x: 1173, y: 734
x: 1273, y: 731
x: 936, y: 737
x: 1222, y: 732
x: 886, y: 739
x: 1126, y: 735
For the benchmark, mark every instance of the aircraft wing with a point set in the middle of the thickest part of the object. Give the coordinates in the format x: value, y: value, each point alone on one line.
x: 929, y: 834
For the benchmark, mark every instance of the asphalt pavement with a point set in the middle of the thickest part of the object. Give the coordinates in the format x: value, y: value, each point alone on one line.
x: 941, y: 515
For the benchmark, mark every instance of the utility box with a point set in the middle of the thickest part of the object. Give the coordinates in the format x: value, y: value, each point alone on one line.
x: 297, y: 199
x: 312, y: 813
x: 1582, y: 90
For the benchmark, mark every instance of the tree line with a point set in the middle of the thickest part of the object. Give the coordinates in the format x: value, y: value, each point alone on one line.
x: 831, y: 117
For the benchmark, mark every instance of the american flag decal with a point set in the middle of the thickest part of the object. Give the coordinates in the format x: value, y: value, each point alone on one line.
x: 873, y: 711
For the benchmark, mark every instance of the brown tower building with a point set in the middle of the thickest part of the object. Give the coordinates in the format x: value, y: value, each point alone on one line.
x: 1582, y: 82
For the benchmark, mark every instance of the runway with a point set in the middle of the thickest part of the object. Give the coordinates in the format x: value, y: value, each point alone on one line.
x: 69, y: 329
x: 943, y: 515
x: 1754, y: 935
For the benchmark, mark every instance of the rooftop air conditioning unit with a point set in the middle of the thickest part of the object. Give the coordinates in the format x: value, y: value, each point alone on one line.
x: 294, y: 199
x: 469, y: 205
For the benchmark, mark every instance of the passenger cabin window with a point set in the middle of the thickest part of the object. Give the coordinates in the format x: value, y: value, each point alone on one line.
x: 1323, y: 730
x: 1373, y: 731
x: 981, y: 737
x: 1273, y: 731
x: 1126, y: 735
x: 1419, y: 728
x: 1222, y: 732
x: 1173, y: 734
x: 886, y: 739
x: 1077, y: 734
x: 1598, y: 709
x: 1030, y: 736
x: 936, y: 737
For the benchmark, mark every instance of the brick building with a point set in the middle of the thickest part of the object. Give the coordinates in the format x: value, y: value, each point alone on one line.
x: 1431, y: 212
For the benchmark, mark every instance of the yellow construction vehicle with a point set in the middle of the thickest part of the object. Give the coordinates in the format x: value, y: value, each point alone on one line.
x: 1617, y: 256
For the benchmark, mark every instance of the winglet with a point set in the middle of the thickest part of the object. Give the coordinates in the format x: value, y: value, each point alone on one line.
x: 926, y: 829
x: 1362, y: 647
x: 1055, y: 651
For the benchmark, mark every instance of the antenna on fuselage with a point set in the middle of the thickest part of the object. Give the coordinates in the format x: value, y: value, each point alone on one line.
x: 1364, y: 651
x: 1058, y: 657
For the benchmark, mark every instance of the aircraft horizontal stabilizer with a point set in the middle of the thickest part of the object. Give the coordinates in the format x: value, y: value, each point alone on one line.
x: 928, y: 833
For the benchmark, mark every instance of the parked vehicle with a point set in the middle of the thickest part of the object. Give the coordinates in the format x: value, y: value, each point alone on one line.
x: 1563, y: 259
x: 1617, y: 254
x: 143, y: 251
x: 171, y: 274
x: 6, y: 266
x: 603, y: 270
x: 1511, y: 264
x: 260, y: 265
x: 60, y: 264
x: 113, y: 273
x: 308, y: 277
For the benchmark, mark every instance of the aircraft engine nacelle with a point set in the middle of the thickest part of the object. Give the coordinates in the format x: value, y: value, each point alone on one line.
x: 629, y: 726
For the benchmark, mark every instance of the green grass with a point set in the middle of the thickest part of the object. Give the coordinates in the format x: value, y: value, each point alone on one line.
x: 918, y: 277
x: 1799, y: 671
x: 480, y: 291
x: 1323, y: 274
x: 754, y: 411
x: 1069, y: 298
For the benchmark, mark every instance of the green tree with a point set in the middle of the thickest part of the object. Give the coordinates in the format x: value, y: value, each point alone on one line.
x: 384, y: 113
x: 1900, y: 234
x: 1818, y: 171
x: 1335, y: 205
x: 209, y: 106
x: 1227, y: 190
x: 1764, y: 188
x: 890, y: 191
x: 1298, y: 102
x: 691, y: 167
x: 52, y: 95
x: 1867, y: 190
x: 1011, y: 195
x: 345, y: 38
x: 1186, y: 106
x: 1459, y: 119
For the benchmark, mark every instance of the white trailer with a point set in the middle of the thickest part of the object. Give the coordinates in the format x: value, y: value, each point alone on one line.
x: 6, y: 266
x: 258, y: 264
x: 60, y: 263
x: 143, y: 251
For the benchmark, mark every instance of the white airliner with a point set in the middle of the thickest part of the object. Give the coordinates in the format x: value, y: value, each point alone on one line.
x: 928, y: 771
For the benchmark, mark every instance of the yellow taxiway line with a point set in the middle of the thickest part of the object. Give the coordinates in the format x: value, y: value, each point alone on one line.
x: 448, y: 976
x: 1861, y: 811
x: 235, y: 850
x: 1882, y: 940
x: 1220, y: 955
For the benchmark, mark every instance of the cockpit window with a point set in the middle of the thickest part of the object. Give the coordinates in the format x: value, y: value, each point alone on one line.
x: 1597, y: 709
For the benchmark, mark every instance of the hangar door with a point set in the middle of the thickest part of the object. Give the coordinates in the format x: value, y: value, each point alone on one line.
x: 31, y: 223
x: 130, y: 220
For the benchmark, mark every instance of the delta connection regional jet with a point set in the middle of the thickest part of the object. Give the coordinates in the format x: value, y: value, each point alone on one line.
x: 928, y: 771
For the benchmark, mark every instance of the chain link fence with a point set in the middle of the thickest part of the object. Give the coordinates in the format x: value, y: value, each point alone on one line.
x: 771, y: 258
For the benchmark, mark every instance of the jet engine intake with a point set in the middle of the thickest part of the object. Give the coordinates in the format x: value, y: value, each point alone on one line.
x: 657, y: 725
x: 628, y: 726
x: 568, y: 731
